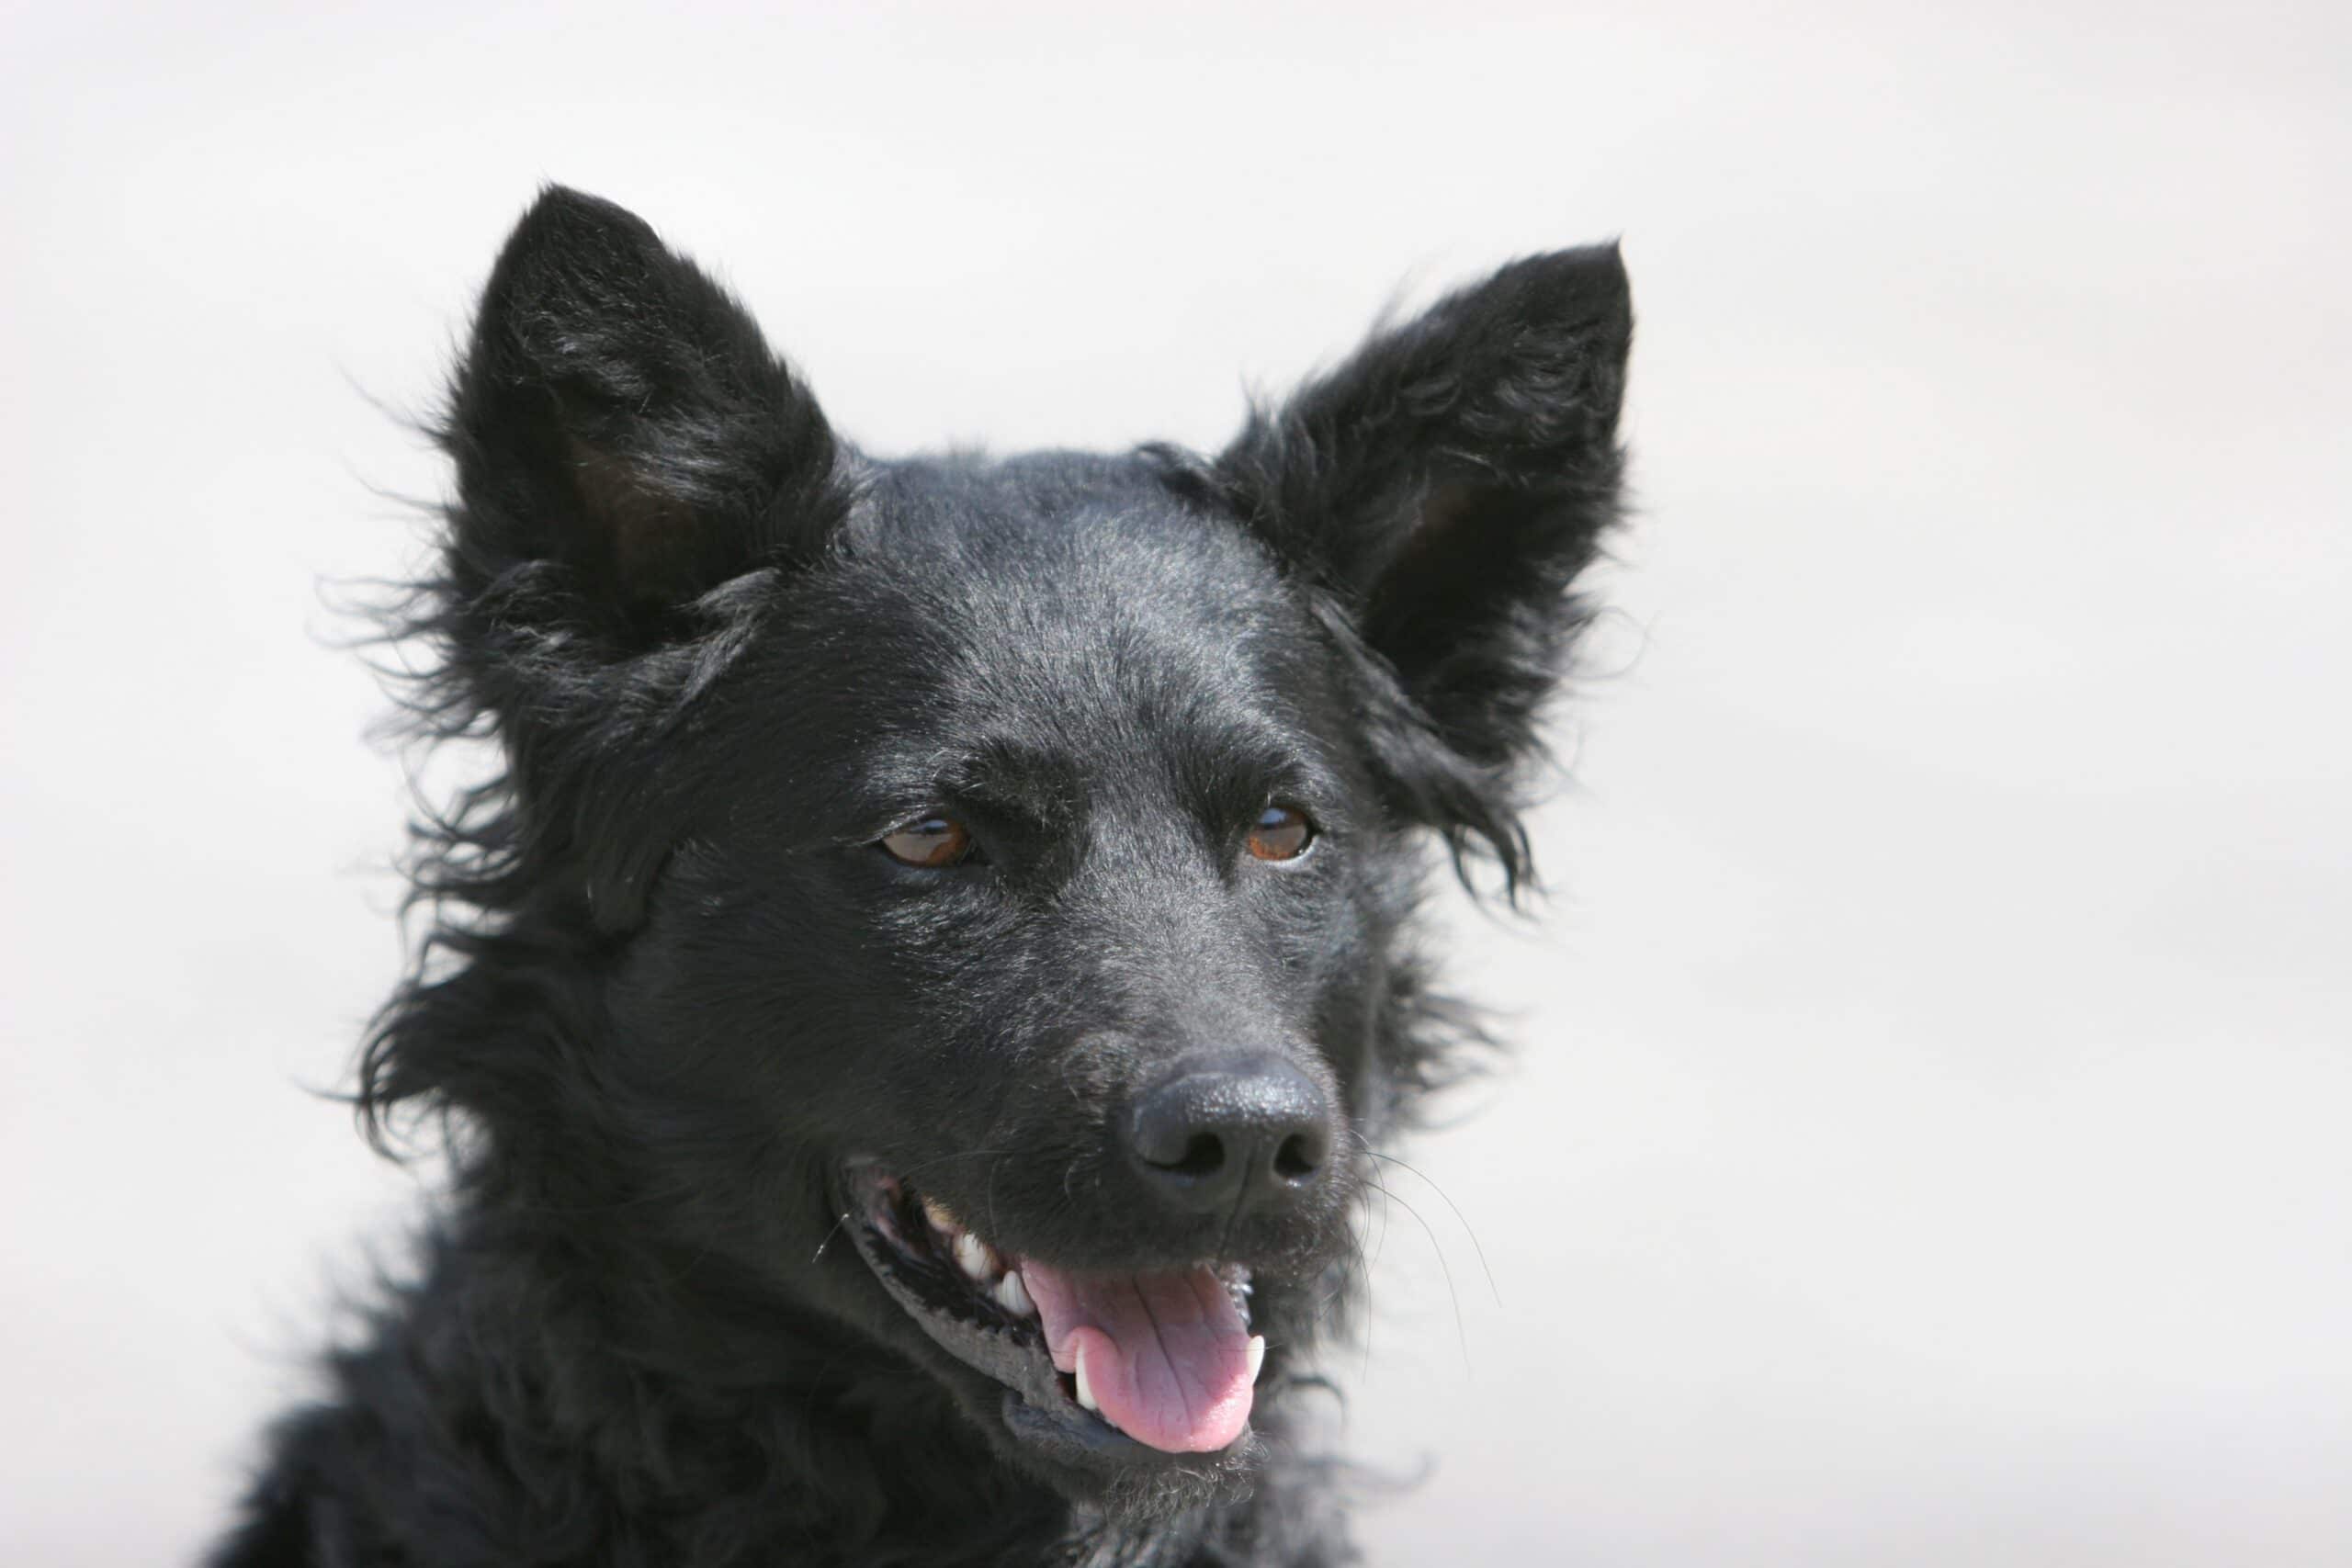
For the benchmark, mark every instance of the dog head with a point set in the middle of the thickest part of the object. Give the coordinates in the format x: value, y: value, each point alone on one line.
x: 962, y: 896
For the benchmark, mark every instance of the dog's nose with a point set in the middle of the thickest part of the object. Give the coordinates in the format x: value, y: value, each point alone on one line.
x: 1252, y: 1132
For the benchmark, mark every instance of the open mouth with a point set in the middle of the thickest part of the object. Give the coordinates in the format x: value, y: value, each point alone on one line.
x: 1098, y: 1367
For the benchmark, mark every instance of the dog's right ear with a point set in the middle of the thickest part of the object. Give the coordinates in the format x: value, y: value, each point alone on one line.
x: 625, y: 440
x: 634, y: 465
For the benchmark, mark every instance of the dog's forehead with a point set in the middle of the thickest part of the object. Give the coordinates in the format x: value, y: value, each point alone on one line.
x: 1073, y: 580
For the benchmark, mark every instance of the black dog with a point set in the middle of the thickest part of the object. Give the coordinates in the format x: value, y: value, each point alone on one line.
x: 914, y: 1015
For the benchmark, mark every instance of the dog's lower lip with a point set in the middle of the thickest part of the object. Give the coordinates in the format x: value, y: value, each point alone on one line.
x: 974, y: 1303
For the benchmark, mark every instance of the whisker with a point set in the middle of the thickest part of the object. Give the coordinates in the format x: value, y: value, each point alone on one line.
x: 1380, y: 1245
x: 1446, y: 1265
x: 818, y: 1257
x: 1467, y: 1229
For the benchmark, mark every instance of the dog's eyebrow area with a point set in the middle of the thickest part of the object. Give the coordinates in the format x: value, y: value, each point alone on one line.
x: 1225, y: 779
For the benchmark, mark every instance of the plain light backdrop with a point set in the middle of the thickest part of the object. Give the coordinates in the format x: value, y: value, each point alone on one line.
x: 1931, y: 1135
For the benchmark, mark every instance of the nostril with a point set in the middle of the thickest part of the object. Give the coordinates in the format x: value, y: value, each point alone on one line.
x: 1300, y: 1157
x: 1203, y: 1156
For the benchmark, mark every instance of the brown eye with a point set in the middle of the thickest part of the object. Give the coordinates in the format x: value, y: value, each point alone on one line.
x: 933, y: 844
x: 1283, y: 832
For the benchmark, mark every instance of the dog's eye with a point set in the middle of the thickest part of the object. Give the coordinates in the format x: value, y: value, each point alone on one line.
x: 1283, y: 832
x: 933, y: 843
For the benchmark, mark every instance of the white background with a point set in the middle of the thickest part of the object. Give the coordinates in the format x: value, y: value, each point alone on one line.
x: 1929, y: 1143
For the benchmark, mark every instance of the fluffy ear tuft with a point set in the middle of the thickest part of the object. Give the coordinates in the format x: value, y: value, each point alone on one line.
x: 1446, y: 485
x: 618, y: 417
x: 632, y: 463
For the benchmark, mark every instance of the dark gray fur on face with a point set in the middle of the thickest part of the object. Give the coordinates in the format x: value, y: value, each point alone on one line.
x: 671, y: 986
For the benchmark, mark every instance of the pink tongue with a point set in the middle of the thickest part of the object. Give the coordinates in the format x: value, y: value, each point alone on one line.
x: 1167, y: 1354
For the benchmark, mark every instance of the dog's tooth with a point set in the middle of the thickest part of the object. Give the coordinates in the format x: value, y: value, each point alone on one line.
x: 941, y: 1220
x: 1256, y: 1355
x: 1085, y: 1391
x: 976, y: 1258
x: 1013, y: 1295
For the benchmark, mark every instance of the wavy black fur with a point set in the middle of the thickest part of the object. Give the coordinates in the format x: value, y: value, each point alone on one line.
x: 670, y: 984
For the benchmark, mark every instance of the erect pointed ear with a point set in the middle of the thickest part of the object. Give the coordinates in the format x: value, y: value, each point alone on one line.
x: 631, y: 458
x: 622, y: 431
x: 1447, y: 483
x: 1451, y: 477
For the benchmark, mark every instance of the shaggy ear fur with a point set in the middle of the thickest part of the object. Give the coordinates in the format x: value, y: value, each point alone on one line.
x: 633, y: 467
x: 619, y: 418
x: 1445, y: 486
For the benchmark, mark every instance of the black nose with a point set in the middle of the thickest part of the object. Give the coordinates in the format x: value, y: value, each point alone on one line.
x: 1248, y: 1131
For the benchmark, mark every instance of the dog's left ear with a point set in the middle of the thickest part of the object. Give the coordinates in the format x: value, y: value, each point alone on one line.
x: 1447, y: 484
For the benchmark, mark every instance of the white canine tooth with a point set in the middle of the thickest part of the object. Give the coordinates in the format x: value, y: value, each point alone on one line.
x: 1013, y: 1295
x: 1256, y: 1355
x: 976, y: 1257
x: 1085, y: 1393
